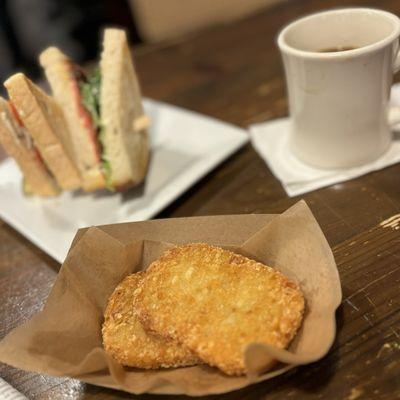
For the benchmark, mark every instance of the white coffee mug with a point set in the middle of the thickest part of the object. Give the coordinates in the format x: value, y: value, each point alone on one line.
x: 339, y: 100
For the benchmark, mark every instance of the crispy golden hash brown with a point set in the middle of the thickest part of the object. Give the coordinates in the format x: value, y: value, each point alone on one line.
x: 216, y: 302
x: 125, y: 339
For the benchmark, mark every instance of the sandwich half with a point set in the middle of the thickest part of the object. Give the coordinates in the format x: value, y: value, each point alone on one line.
x: 124, y: 135
x: 104, y: 112
x: 44, y: 120
x: 66, y: 79
x: 17, y: 142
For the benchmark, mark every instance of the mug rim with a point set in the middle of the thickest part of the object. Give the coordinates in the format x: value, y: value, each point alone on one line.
x: 340, y: 54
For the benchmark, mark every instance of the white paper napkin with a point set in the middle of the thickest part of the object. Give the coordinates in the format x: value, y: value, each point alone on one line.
x: 7, y: 392
x: 270, y: 139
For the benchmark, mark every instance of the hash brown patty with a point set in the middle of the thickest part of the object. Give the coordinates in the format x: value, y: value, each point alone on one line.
x: 216, y: 302
x: 128, y: 343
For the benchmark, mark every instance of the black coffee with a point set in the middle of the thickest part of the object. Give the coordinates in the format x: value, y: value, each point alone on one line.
x: 336, y: 49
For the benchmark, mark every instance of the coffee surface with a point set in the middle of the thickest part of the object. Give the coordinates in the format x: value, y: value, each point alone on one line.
x: 336, y: 49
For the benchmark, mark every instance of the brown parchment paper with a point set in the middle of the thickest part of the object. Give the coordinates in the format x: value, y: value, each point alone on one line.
x: 64, y: 339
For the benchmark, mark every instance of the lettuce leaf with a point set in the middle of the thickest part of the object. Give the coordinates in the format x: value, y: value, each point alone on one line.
x: 90, y: 95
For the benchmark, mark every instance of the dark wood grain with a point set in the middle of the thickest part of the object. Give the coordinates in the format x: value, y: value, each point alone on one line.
x: 234, y: 73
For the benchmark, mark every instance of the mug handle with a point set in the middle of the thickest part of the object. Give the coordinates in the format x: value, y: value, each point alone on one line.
x: 394, y: 111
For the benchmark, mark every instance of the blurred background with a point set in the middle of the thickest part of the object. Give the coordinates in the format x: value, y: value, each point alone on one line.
x: 29, y: 26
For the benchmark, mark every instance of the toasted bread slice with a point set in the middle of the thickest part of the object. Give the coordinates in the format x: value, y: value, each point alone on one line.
x: 216, y: 302
x: 44, y: 120
x: 19, y: 145
x: 124, y: 134
x: 61, y: 74
x: 128, y: 343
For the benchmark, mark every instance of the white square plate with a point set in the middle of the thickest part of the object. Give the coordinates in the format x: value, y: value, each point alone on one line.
x: 185, y: 147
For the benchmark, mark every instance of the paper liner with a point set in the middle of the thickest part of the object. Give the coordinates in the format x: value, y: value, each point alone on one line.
x: 64, y: 339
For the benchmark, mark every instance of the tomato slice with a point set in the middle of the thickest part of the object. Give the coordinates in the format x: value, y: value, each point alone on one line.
x: 35, y: 152
x: 77, y: 75
x: 15, y: 114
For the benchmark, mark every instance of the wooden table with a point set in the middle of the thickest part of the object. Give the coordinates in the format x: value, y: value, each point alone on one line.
x: 234, y: 73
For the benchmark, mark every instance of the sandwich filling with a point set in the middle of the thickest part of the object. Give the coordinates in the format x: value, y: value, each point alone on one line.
x: 90, y: 95
x: 87, y: 94
x: 23, y: 138
x: 20, y: 134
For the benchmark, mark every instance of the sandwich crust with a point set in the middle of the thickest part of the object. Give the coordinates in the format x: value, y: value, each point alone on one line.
x: 216, y: 302
x: 128, y: 343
